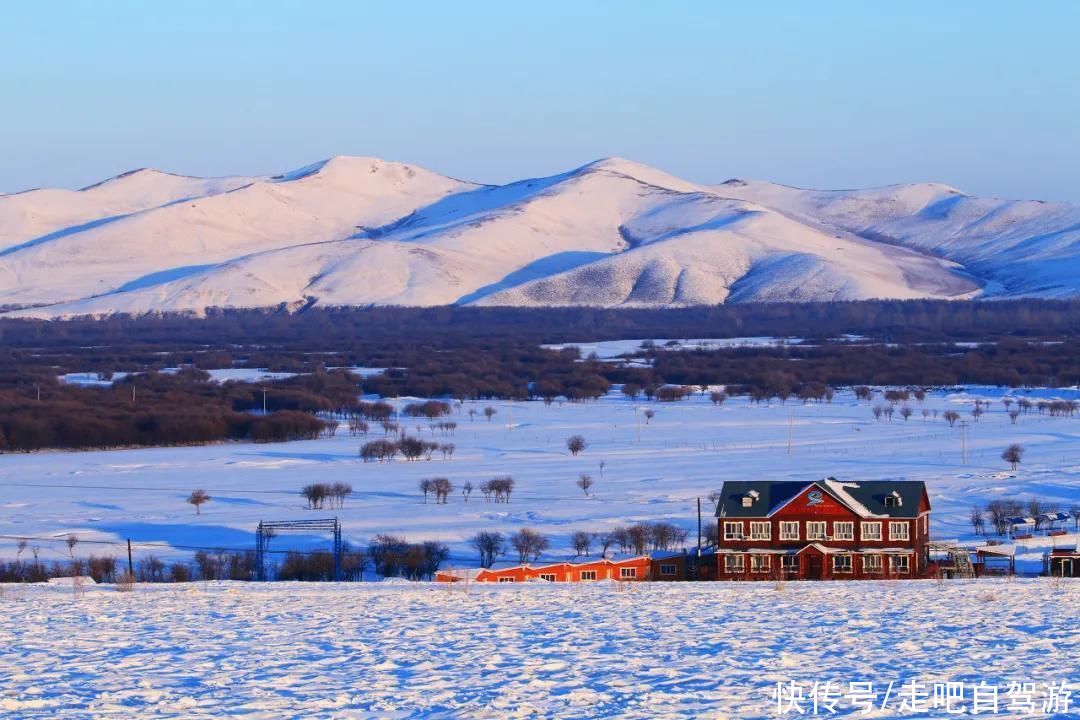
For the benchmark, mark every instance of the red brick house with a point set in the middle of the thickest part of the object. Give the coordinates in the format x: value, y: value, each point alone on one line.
x: 822, y: 530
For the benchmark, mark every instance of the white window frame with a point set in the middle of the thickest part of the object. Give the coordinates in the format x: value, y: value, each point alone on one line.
x: 789, y: 563
x: 786, y: 530
x: 729, y: 526
x: 763, y: 530
x: 894, y: 530
x: 895, y: 563
x: 844, y: 571
x: 587, y: 575
x: 669, y: 569
x: 875, y: 526
x: 760, y: 563
x: 550, y: 577
x: 843, y: 523
x: 628, y: 573
x: 816, y: 525
x: 734, y: 563
x: 872, y: 568
x: 507, y: 579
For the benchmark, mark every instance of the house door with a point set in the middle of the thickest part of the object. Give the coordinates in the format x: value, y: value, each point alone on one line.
x: 813, y: 566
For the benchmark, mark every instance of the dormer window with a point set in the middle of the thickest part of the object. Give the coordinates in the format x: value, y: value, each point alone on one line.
x: 750, y: 498
x: 893, y: 499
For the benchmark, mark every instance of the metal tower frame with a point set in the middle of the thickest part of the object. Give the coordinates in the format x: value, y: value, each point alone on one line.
x: 269, y: 529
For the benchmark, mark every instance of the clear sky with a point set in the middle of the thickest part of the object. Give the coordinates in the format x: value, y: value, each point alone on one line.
x: 982, y: 95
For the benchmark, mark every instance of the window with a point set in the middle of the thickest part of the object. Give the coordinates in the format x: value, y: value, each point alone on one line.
x: 789, y: 530
x: 790, y: 563
x: 760, y: 531
x: 843, y: 530
x: 506, y: 579
x: 871, y: 531
x: 668, y: 569
x: 841, y: 563
x: 872, y: 563
x: 733, y: 563
x: 899, y: 530
x: 759, y: 563
x: 588, y: 575
x: 733, y: 530
x: 550, y: 577
x: 899, y: 563
x: 627, y: 573
x: 815, y: 531
x: 893, y: 499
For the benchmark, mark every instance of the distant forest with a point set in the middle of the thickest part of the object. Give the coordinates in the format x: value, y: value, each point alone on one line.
x: 481, y: 353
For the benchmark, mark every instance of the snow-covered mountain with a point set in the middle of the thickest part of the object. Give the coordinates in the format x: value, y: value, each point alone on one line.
x: 362, y: 231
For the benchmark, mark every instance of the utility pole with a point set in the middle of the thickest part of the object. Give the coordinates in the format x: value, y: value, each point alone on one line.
x: 637, y: 414
x: 38, y: 392
x: 133, y: 394
x: 131, y: 565
x: 264, y: 401
x: 699, y: 527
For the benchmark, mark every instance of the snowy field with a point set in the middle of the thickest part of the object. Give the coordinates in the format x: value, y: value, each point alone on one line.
x: 685, y: 650
x: 686, y: 451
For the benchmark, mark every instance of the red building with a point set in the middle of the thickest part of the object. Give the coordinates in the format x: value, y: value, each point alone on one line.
x: 659, y: 566
x: 822, y: 530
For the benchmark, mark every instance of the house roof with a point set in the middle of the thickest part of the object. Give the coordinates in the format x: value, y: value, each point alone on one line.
x: 865, y: 498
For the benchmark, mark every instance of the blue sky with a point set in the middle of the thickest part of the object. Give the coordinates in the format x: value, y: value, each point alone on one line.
x: 981, y: 95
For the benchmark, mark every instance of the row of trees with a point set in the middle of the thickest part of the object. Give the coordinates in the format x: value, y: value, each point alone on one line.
x: 410, y: 448
x: 996, y: 513
x: 319, y: 494
x: 528, y: 545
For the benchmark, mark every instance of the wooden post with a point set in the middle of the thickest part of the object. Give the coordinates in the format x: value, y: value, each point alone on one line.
x: 131, y: 565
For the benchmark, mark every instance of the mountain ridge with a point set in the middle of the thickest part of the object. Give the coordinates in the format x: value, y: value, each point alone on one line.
x: 355, y: 230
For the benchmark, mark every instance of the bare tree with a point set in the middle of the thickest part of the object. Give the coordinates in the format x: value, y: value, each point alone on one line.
x: 1013, y: 414
x: 978, y: 524
x: 198, y: 498
x: 606, y: 540
x: 877, y: 410
x: 977, y: 411
x: 649, y: 415
x: 340, y: 491
x: 581, y: 541
x: 489, y: 412
x: 427, y: 485
x: 490, y: 545
x: 585, y: 482
x: 905, y: 412
x: 71, y: 540
x: 529, y: 544
x: 951, y: 416
x: 1013, y: 455
x: 442, y: 488
x: 717, y: 397
x: 466, y: 490
x: 575, y: 444
x: 638, y: 536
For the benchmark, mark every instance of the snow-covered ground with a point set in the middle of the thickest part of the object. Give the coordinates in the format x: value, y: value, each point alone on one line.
x: 682, y: 650
x: 642, y: 470
x: 611, y: 349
